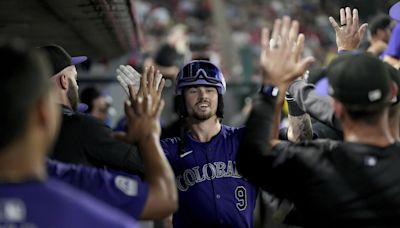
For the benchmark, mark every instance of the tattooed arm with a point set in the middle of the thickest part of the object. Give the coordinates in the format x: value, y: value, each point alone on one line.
x: 300, y: 128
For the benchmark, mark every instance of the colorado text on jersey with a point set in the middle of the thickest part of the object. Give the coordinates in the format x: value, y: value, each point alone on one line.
x: 209, y: 171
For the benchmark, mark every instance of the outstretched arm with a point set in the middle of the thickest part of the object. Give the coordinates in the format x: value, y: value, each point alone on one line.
x: 143, y: 114
x: 300, y: 128
x: 280, y: 67
x: 348, y: 38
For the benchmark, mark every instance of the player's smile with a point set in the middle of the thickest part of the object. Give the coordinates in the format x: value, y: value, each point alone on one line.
x: 203, y: 105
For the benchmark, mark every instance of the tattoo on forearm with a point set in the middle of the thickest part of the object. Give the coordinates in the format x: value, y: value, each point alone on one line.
x: 300, y: 128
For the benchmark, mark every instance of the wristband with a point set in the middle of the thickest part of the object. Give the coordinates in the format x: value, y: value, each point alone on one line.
x: 293, y: 108
x: 269, y: 91
x: 343, y: 51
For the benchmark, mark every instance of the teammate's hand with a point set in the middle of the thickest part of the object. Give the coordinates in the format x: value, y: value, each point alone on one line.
x: 280, y: 58
x: 143, y: 109
x: 126, y: 75
x: 151, y: 84
x: 349, y: 33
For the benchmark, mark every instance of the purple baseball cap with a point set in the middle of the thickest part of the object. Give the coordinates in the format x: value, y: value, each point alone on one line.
x: 394, y: 11
x: 59, y: 58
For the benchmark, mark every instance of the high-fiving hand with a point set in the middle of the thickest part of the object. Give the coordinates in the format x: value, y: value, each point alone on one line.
x: 281, y: 56
x: 349, y: 33
x: 127, y: 75
x: 144, y: 108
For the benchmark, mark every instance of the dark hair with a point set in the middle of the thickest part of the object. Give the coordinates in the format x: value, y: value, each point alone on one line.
x: 24, y: 78
x: 379, y: 22
x: 88, y: 95
x: 366, y: 113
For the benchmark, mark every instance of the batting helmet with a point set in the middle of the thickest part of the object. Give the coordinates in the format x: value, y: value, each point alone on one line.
x: 199, y: 72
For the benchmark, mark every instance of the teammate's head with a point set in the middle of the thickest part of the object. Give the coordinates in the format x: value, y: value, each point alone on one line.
x: 64, y: 73
x: 361, y: 84
x: 380, y: 27
x: 28, y: 109
x: 205, y: 79
x: 97, y: 103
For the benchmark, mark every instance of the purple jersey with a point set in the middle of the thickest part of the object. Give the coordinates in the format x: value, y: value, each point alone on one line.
x: 393, y: 48
x: 51, y: 203
x: 121, y: 190
x: 211, y: 191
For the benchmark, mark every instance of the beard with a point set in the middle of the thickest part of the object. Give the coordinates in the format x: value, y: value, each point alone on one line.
x: 72, y: 95
x: 200, y: 115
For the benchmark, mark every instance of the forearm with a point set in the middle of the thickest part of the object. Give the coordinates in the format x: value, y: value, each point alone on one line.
x: 133, y: 163
x: 256, y: 140
x: 109, y: 152
x: 161, y: 179
x: 278, y: 110
x: 310, y: 102
x: 300, y: 128
x: 103, y: 184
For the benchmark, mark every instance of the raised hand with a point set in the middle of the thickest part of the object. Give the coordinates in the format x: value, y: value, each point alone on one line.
x: 126, y: 75
x: 151, y: 84
x: 144, y: 108
x: 349, y: 33
x: 280, y: 58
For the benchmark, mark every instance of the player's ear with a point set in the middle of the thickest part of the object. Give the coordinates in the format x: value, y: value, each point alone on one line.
x: 63, y: 81
x: 339, y: 109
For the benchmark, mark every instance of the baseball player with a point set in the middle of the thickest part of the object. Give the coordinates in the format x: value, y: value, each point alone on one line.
x: 154, y: 198
x: 29, y: 127
x: 212, y: 193
x: 354, y: 183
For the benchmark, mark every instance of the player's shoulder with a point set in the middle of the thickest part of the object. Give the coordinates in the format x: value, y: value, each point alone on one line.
x: 308, y: 148
x: 170, y: 146
x: 365, y: 149
x: 168, y: 142
x: 79, y: 203
x: 38, y: 198
x: 230, y: 131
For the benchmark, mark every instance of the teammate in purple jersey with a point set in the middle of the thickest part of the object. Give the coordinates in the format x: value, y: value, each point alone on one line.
x: 211, y: 191
x: 52, y: 203
x: 121, y: 190
x: 30, y: 123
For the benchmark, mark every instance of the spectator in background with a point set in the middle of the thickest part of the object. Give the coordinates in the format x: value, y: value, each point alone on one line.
x: 392, y: 52
x: 84, y: 139
x: 379, y: 32
x: 29, y: 127
x: 98, y: 104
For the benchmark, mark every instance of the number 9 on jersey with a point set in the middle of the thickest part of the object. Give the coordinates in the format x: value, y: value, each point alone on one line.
x: 241, y: 197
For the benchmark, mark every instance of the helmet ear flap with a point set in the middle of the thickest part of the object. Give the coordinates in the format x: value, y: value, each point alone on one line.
x: 220, y: 107
x: 180, y: 106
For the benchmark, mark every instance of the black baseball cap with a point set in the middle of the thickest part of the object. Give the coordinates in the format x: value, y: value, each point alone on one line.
x: 359, y: 79
x: 59, y: 57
